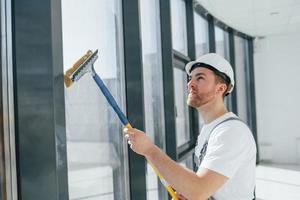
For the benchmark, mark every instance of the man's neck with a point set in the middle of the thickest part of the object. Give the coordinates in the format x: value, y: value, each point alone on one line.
x: 212, y: 111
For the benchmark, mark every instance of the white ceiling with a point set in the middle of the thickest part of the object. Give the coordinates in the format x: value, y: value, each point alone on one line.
x: 257, y: 17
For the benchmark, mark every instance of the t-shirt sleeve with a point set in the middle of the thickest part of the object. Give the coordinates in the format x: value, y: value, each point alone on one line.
x: 228, y: 148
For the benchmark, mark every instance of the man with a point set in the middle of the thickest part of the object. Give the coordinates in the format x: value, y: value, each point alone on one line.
x: 226, y: 151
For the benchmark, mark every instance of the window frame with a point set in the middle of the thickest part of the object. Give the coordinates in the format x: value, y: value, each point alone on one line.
x: 52, y: 54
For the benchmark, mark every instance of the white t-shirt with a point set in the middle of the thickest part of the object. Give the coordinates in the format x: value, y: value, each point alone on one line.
x: 231, y: 151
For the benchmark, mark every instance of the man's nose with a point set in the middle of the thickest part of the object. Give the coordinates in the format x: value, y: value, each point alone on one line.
x: 191, y: 84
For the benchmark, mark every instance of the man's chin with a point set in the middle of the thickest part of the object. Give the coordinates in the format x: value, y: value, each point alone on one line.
x: 192, y: 103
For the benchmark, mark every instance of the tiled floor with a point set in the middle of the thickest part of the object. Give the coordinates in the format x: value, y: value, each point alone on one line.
x: 278, y: 182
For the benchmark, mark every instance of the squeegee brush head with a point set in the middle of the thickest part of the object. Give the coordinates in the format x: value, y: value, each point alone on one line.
x: 80, y: 67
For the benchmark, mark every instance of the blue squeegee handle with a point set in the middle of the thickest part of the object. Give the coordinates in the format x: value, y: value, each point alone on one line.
x: 110, y: 99
x: 125, y: 122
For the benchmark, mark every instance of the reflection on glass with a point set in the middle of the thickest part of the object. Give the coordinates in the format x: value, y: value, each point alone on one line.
x: 95, y: 147
x: 201, y: 35
x: 240, y: 67
x: 152, y: 80
x: 179, y: 32
x: 182, y: 115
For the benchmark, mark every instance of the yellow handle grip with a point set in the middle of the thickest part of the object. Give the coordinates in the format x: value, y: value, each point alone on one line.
x: 163, y: 181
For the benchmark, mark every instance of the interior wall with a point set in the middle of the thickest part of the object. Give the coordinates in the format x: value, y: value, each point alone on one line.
x: 277, y: 71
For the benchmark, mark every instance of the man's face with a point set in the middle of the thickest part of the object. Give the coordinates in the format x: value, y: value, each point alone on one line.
x: 201, y: 87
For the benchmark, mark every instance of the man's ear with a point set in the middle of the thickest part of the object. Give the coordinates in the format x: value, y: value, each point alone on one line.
x: 222, y: 88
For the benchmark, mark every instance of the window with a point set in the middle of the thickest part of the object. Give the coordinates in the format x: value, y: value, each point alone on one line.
x: 241, y: 69
x: 181, y: 108
x: 179, y: 32
x: 96, y: 150
x: 153, y: 85
x: 201, y: 35
x: 222, y: 45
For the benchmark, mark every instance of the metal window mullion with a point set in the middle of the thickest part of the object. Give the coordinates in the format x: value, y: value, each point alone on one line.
x: 211, y: 33
x: 168, y: 79
x: 7, y: 102
x: 134, y: 93
x: 39, y: 100
x: 190, y: 29
x: 252, y: 93
x: 248, y: 84
x: 233, y: 95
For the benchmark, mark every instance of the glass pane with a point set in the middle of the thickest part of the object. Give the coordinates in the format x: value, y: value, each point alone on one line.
x: 188, y: 162
x: 241, y: 87
x: 222, y: 48
x: 201, y: 35
x: 97, y: 153
x: 153, y: 186
x: 222, y: 45
x: 153, y: 85
x: 182, y: 115
x: 179, y: 33
x: 202, y: 44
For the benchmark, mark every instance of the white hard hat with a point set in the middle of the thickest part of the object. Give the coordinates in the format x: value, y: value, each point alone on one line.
x: 216, y: 61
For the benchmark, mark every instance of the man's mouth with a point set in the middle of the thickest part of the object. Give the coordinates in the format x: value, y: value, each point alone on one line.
x: 192, y: 92
x: 192, y: 95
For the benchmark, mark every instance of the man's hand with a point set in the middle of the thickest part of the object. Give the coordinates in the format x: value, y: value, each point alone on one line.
x: 139, y: 142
